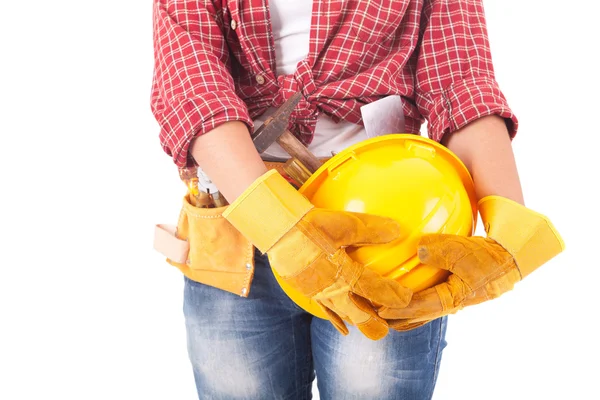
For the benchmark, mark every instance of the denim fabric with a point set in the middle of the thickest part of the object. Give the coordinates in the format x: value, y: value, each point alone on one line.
x: 265, y: 347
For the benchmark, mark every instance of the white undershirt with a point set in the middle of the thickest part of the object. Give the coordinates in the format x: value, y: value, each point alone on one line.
x: 291, y: 22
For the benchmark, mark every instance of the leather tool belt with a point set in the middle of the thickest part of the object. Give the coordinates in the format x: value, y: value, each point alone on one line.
x: 206, y: 248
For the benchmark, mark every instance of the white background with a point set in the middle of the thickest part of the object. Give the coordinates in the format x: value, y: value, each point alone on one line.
x: 90, y: 311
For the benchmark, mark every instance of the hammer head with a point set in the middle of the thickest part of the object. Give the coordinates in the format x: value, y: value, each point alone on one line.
x: 275, y: 125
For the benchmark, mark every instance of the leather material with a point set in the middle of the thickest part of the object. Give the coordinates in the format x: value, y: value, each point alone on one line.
x: 218, y: 254
x: 206, y: 248
x: 482, y: 269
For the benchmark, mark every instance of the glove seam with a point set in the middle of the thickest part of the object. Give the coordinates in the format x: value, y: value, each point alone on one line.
x: 315, y: 292
x: 316, y: 236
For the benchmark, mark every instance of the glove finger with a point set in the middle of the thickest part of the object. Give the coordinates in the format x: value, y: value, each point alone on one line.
x: 373, y: 327
x: 403, y: 325
x: 493, y: 289
x: 476, y: 260
x: 382, y: 291
x: 354, y: 229
x: 335, y: 319
x: 443, y: 250
x: 429, y: 303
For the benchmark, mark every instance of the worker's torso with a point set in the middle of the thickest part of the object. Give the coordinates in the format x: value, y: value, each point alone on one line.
x: 339, y: 54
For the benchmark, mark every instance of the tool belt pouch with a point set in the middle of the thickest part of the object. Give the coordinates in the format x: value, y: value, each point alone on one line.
x: 208, y: 249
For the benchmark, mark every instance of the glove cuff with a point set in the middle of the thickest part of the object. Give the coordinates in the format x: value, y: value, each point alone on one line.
x: 267, y: 210
x: 528, y: 236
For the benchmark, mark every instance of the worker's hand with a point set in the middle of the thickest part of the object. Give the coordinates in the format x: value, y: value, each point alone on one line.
x: 518, y: 241
x: 306, y: 247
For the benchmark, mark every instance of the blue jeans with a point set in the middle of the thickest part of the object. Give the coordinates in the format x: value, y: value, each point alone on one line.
x: 265, y: 347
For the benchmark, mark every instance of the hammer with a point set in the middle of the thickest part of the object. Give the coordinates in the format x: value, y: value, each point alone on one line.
x: 274, y: 129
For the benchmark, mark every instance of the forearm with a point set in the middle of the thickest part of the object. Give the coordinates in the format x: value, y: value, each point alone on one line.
x: 485, y: 148
x: 228, y: 156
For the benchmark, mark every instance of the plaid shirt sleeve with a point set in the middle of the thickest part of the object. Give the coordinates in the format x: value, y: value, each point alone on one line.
x: 192, y: 88
x: 455, y: 81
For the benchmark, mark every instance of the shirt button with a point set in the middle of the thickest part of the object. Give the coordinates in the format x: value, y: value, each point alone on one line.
x: 233, y: 24
x: 260, y: 79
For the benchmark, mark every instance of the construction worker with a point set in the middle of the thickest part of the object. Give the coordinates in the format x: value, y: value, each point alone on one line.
x: 221, y: 68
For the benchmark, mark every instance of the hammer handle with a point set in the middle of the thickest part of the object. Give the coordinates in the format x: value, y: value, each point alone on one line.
x: 296, y: 149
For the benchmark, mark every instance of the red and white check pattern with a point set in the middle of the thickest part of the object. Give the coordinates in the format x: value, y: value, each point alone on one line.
x: 214, y: 62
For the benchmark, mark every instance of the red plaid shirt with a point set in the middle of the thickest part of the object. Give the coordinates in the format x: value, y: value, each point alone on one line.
x: 215, y: 62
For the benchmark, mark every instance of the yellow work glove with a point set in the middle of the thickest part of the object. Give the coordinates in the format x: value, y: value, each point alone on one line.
x: 518, y: 241
x: 306, y: 247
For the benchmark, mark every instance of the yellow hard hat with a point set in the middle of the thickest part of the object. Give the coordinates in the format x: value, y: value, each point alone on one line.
x: 414, y: 180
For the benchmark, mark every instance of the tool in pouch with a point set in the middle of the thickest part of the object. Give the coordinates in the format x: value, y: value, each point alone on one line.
x: 203, y: 192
